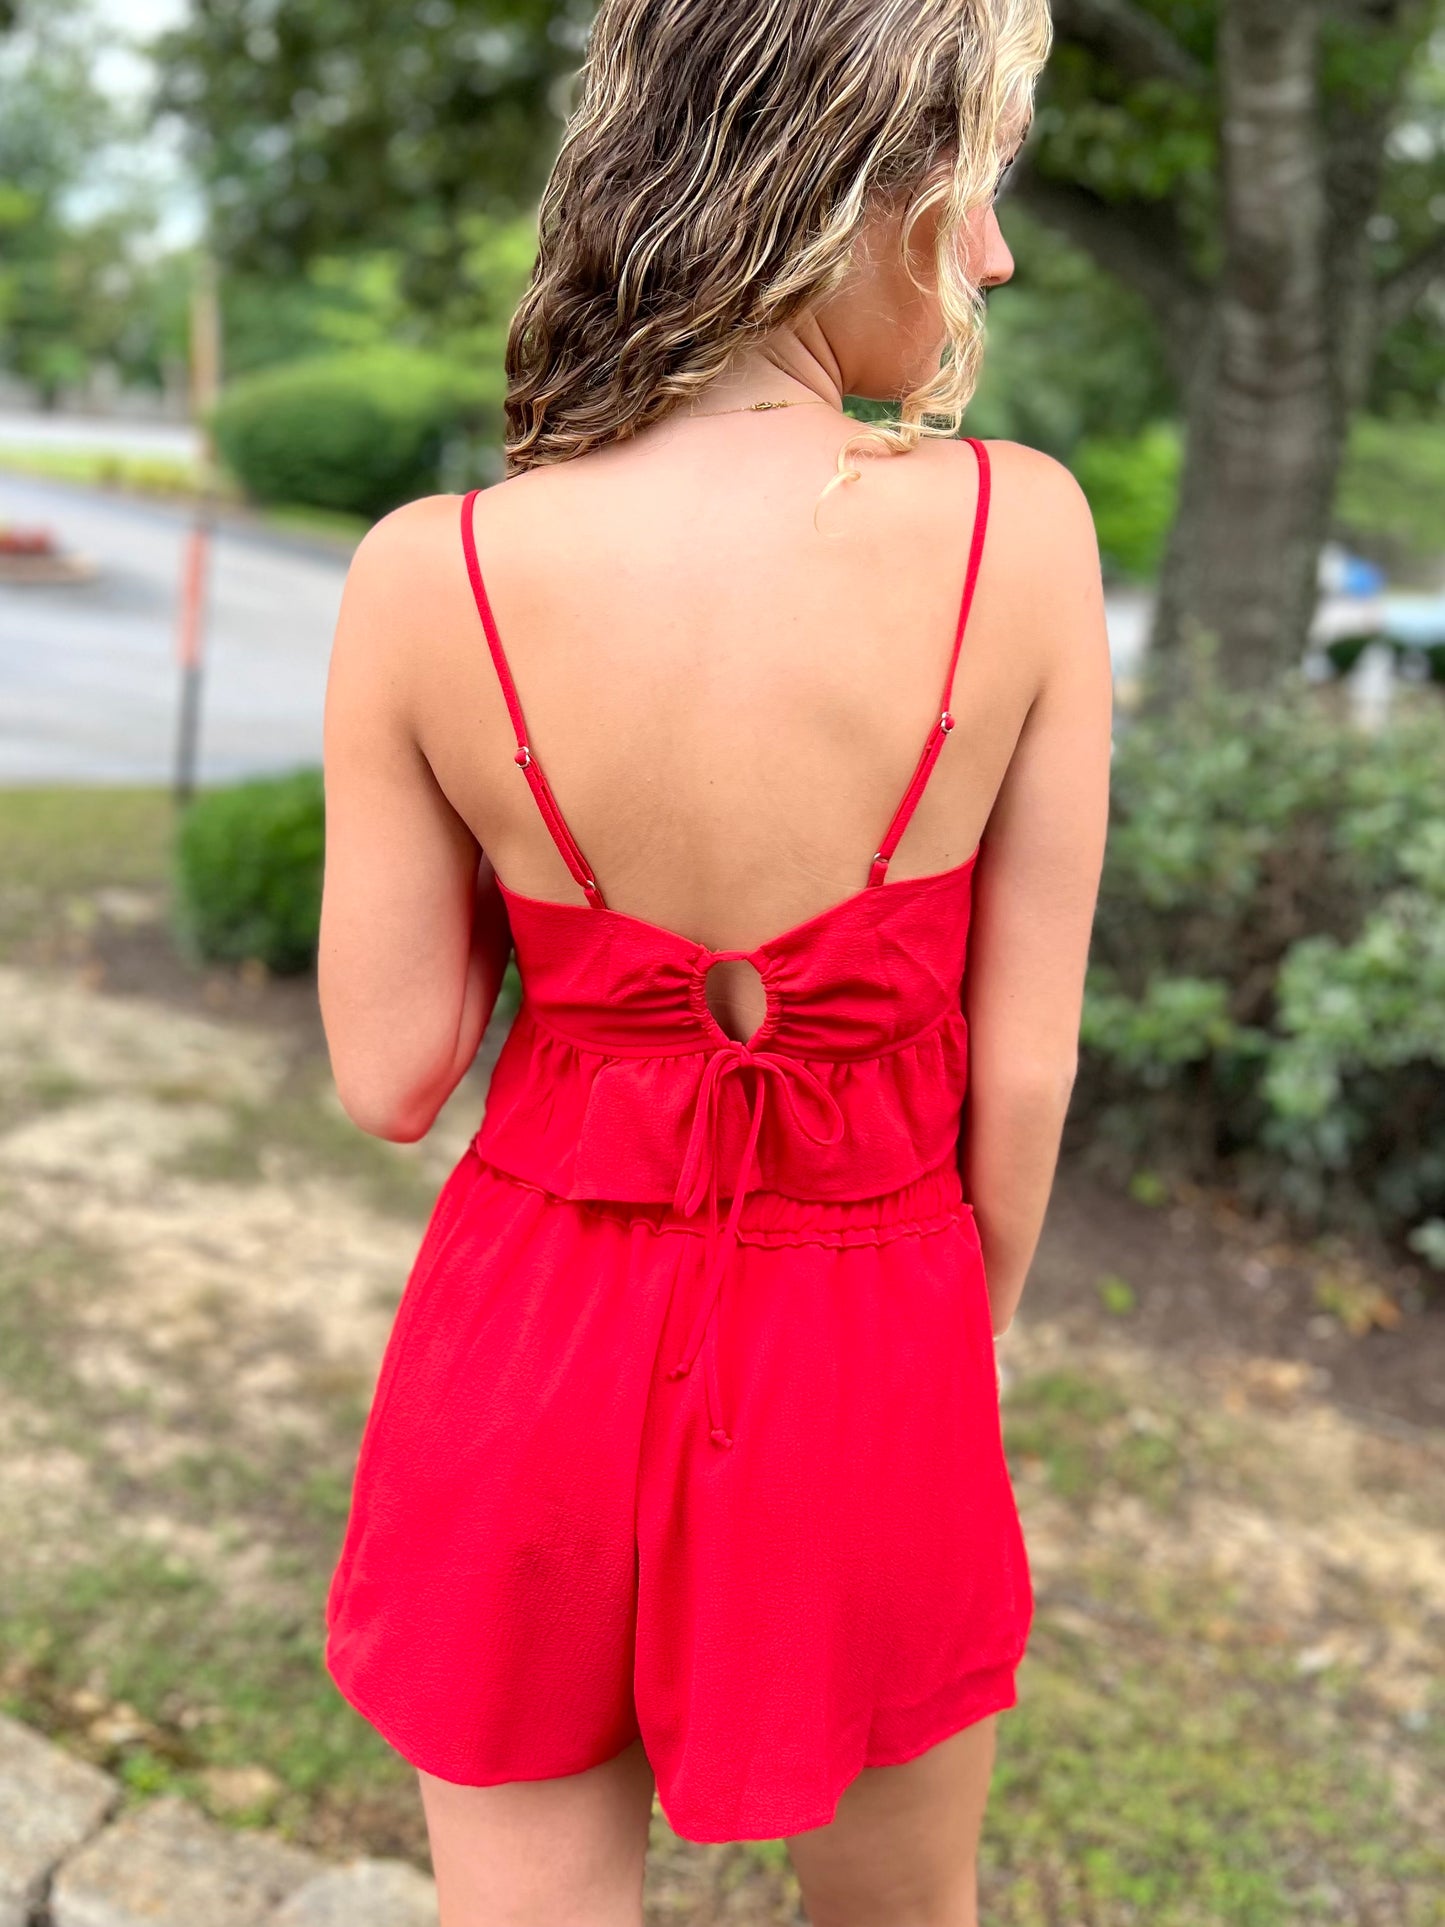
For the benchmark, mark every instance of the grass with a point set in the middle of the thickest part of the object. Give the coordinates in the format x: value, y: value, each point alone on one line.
x: 1091, y: 1440
x: 103, y: 468
x: 41, y: 1089
x: 61, y: 846
x: 1169, y: 1760
x: 295, y: 1132
x: 1159, y: 1773
x: 1393, y: 472
x: 43, y: 1289
x: 209, y: 1683
x: 299, y: 518
x: 205, y: 1672
x: 1138, y: 1779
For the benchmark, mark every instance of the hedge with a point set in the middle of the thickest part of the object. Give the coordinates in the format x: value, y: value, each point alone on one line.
x: 360, y: 432
x: 248, y: 872
x: 1266, y: 988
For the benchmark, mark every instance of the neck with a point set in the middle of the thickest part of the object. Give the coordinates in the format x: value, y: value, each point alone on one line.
x: 793, y: 364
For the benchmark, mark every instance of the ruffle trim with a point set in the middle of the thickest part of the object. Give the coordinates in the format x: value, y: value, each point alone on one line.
x: 932, y: 1203
x: 586, y: 1127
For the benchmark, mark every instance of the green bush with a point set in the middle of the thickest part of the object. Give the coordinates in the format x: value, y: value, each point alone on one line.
x: 362, y: 431
x: 248, y: 872
x: 1133, y: 490
x: 1392, y: 478
x: 1266, y: 987
x: 1392, y: 481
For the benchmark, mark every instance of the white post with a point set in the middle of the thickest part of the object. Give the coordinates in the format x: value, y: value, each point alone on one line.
x: 1372, y: 687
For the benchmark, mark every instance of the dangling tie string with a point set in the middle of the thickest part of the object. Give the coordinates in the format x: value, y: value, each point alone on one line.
x: 698, y: 1181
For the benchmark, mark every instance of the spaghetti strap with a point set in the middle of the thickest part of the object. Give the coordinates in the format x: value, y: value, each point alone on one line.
x: 938, y: 735
x: 525, y: 759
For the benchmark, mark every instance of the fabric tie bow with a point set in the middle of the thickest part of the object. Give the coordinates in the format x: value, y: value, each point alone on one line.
x: 699, y: 1181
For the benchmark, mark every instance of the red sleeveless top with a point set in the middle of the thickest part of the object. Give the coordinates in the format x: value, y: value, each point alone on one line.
x: 617, y: 1083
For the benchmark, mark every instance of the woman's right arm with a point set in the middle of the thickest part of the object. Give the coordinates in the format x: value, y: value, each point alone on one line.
x: 1037, y: 881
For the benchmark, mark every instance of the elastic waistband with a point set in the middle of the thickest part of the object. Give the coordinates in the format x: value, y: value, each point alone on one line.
x: 933, y: 1202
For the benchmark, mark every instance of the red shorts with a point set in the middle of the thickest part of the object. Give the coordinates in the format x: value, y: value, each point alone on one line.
x: 548, y: 1557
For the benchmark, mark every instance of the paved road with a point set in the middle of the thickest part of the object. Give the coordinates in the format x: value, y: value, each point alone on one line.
x: 88, y: 678
x: 177, y: 440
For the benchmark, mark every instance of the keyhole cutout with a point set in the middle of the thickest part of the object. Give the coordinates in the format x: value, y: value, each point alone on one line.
x: 736, y: 998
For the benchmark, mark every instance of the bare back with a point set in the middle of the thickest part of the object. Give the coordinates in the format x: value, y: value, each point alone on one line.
x: 728, y: 703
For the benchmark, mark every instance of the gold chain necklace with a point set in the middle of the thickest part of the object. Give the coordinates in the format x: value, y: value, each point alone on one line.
x: 755, y: 408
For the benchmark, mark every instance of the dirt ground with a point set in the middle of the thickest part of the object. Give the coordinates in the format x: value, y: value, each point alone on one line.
x: 1227, y: 1449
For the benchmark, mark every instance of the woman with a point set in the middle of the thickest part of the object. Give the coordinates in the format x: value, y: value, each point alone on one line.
x: 685, y: 1464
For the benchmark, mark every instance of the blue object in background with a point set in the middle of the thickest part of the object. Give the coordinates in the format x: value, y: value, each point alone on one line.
x: 1359, y: 577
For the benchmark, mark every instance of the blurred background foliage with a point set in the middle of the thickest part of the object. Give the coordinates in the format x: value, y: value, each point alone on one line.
x: 80, y: 285
x: 1266, y: 993
x: 358, y: 430
x: 248, y: 873
x: 327, y: 123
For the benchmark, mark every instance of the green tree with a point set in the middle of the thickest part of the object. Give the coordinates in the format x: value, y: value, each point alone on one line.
x: 358, y: 300
x: 78, y: 285
x: 324, y: 125
x: 1268, y: 176
x: 1072, y: 352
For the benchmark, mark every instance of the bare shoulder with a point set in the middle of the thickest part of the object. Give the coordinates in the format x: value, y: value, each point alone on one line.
x: 430, y: 528
x: 1043, y: 550
x: 1041, y: 584
x: 1037, y: 492
x: 405, y: 600
x: 1034, y: 497
x: 407, y: 579
x: 416, y: 532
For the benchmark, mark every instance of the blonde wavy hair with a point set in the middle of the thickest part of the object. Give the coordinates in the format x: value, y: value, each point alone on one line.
x: 717, y: 170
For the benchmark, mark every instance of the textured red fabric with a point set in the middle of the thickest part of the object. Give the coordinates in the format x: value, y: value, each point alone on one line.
x: 732, y: 1480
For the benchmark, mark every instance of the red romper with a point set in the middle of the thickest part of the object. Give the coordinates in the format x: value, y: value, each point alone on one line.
x: 688, y: 1425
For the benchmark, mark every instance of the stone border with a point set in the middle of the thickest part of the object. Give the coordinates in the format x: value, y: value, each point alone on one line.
x: 70, y: 1858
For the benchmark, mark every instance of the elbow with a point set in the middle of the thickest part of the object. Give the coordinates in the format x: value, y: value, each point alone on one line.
x: 1050, y: 1076
x: 1036, y: 1082
x: 399, y: 1115
x: 396, y: 1127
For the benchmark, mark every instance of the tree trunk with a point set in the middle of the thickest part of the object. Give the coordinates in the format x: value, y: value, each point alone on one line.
x: 1264, y: 416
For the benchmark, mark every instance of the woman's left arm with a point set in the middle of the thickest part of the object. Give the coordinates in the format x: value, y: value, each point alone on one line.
x: 414, y: 933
